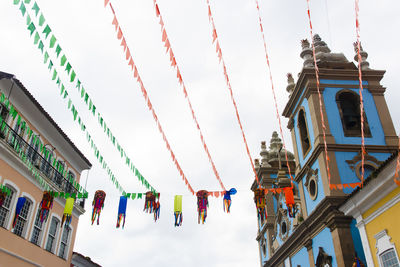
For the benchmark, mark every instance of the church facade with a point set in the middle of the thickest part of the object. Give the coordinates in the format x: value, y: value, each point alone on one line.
x: 319, y: 232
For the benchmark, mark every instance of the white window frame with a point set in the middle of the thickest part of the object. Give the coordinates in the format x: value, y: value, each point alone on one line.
x: 383, y: 244
x: 13, y: 203
x: 43, y: 230
x: 27, y: 226
x: 56, y: 238
x: 66, y: 252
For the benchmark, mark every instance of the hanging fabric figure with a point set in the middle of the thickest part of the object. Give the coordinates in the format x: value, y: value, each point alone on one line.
x: 122, y: 211
x: 45, y: 206
x: 67, y: 216
x: 98, y: 204
x: 227, y: 199
x: 291, y: 207
x: 202, y: 204
x: 152, y: 204
x: 20, y: 204
x: 178, y: 210
x: 259, y: 199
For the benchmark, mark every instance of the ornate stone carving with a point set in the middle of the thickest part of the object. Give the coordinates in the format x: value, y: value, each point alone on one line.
x: 363, y: 55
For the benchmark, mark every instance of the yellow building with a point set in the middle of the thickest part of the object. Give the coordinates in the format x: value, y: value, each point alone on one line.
x: 35, y: 154
x: 376, y: 208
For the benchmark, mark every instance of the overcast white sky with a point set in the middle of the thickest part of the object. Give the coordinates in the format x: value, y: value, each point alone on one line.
x: 87, y: 37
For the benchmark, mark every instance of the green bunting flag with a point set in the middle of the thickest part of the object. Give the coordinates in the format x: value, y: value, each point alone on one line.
x: 47, y: 31
x: 41, y: 20
x: 22, y: 8
x: 35, y: 8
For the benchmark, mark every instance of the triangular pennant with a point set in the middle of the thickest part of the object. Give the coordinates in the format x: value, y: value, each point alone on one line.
x: 35, y: 8
x: 119, y: 35
x: 41, y: 20
x: 123, y: 43
x: 23, y: 9
x: 47, y: 31
x: 31, y: 28
x: 63, y: 60
x: 106, y: 2
x: 115, y: 22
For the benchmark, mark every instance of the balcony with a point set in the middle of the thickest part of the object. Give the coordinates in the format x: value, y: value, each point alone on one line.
x: 19, y: 145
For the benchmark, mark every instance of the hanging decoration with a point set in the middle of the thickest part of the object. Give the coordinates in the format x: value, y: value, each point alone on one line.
x: 175, y: 66
x: 53, y: 43
x: 67, y: 216
x: 178, y: 210
x: 152, y: 204
x: 20, y: 203
x: 228, y: 83
x: 45, y: 206
x: 357, y: 262
x: 98, y: 204
x: 227, y: 199
x: 291, y: 207
x: 259, y: 199
x: 122, y: 211
x: 136, y: 75
x: 202, y: 205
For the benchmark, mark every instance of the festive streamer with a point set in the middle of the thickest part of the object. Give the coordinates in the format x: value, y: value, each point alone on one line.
x: 67, y: 215
x: 35, y: 139
x: 259, y: 199
x: 175, y: 66
x: 136, y: 75
x: 98, y: 204
x: 3, y: 196
x: 178, y: 210
x: 202, y: 205
x: 122, y: 211
x: 291, y: 207
x: 320, y: 98
x: 45, y: 206
x: 357, y: 8
x: 152, y: 204
x: 228, y: 83
x: 273, y: 93
x: 84, y: 95
x: 227, y: 199
x: 20, y: 203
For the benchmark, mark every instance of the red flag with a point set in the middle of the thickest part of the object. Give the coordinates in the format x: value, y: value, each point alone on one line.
x: 135, y: 73
x: 115, y: 22
x: 214, y: 35
x: 119, y: 36
x: 161, y: 22
x: 128, y: 54
x: 157, y: 11
x: 216, y: 194
x: 106, y: 2
x: 123, y: 43
x: 131, y: 63
x: 164, y: 35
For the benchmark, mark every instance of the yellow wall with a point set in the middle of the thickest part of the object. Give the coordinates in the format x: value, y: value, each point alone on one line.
x: 388, y: 220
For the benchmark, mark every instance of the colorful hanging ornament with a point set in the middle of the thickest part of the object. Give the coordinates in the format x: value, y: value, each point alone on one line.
x: 227, y: 199
x: 202, y: 204
x: 178, y: 210
x: 357, y: 262
x: 20, y: 204
x: 122, y: 211
x: 152, y: 204
x: 291, y: 207
x: 98, y: 204
x: 67, y: 216
x: 45, y: 206
x: 259, y: 199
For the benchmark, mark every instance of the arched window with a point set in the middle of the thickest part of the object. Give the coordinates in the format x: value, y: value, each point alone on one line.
x: 52, y: 235
x: 304, y: 137
x: 37, y: 231
x: 22, y: 220
x: 5, y: 213
x: 349, y: 108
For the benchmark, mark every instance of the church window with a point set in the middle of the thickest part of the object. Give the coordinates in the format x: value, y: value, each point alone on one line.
x: 349, y: 108
x: 304, y: 137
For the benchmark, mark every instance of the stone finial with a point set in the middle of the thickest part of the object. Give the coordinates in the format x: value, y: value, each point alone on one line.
x: 306, y: 54
x: 257, y: 164
x: 320, y: 46
x: 291, y: 84
x: 276, y: 152
x: 363, y: 55
x: 264, y: 155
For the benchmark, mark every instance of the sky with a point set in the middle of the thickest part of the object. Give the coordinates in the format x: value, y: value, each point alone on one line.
x: 87, y: 36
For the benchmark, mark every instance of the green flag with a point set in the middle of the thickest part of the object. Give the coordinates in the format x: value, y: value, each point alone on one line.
x: 47, y: 31
x: 28, y: 20
x: 68, y: 68
x: 41, y: 46
x: 63, y: 60
x: 36, y: 39
x: 58, y: 50
x: 46, y: 57
x: 41, y: 20
x: 52, y: 41
x: 133, y: 196
x: 73, y: 75
x: 22, y: 8
x: 16, y: 2
x: 54, y: 74
x: 31, y: 28
x: 35, y: 8
x: 50, y: 65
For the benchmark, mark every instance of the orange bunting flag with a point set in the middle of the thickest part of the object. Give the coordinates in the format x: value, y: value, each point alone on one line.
x: 135, y: 73
x: 216, y: 194
x: 119, y: 36
x: 128, y: 53
x: 339, y: 186
x: 157, y: 11
x: 397, y: 182
x: 167, y: 45
x: 106, y: 2
x: 131, y: 63
x: 115, y: 22
x: 346, y: 186
x: 123, y: 43
x: 164, y: 35
x: 214, y: 35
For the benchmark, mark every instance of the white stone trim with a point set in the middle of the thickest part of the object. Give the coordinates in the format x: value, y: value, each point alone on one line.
x: 13, y: 203
x: 383, y: 208
x: 364, y: 240
x: 68, y: 243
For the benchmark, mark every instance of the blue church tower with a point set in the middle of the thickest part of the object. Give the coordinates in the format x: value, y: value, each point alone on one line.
x: 321, y: 235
